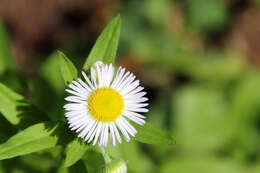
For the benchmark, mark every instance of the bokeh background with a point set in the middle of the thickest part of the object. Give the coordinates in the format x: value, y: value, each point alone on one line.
x: 198, y: 60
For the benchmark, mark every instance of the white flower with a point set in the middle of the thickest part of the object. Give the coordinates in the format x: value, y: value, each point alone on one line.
x: 103, y: 105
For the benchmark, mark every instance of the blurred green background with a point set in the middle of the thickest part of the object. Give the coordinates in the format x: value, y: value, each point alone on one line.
x: 198, y: 60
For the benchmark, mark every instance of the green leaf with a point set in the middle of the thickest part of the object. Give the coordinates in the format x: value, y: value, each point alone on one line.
x: 5, y: 51
x: 68, y: 70
x: 50, y: 72
x: 16, y: 109
x: 95, y: 161
x: 9, y: 100
x: 106, y: 45
x: 151, y: 134
x: 75, y: 150
x: 32, y: 139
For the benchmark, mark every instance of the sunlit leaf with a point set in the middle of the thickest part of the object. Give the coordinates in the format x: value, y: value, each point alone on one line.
x: 16, y: 109
x: 75, y: 150
x: 32, y: 139
x: 106, y: 45
x: 151, y: 134
x: 9, y: 100
x: 68, y: 70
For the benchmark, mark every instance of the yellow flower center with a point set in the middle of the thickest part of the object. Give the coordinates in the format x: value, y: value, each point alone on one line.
x: 105, y: 104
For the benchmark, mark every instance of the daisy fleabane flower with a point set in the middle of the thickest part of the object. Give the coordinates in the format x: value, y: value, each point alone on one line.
x: 102, y: 106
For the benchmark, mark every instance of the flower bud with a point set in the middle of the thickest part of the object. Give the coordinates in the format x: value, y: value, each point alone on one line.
x: 115, y: 166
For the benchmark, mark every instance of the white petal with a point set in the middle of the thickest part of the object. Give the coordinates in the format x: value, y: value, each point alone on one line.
x: 102, y: 133
x: 76, y: 93
x: 127, y: 81
x: 85, y: 85
x: 130, y: 87
x: 75, y: 106
x: 122, y: 79
x: 83, y: 127
x: 87, y: 128
x: 91, y: 134
x: 80, y: 87
x: 100, y: 79
x: 133, y: 114
x: 118, y: 77
x: 121, y: 76
x: 75, y: 99
x: 109, y: 75
x: 77, y: 89
x: 106, y: 136
x: 137, y: 95
x: 136, y: 105
x: 137, y: 109
x: 122, y: 129
x: 131, y: 93
x: 136, y: 100
x: 88, y: 81
x: 75, y: 113
x: 117, y: 133
x: 129, y: 128
x: 136, y: 119
x: 91, y: 131
x: 76, y: 117
x: 99, y: 130
x: 112, y: 135
x: 77, y: 125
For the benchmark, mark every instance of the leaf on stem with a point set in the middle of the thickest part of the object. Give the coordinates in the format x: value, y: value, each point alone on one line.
x: 68, y: 70
x: 75, y: 150
x: 34, y: 138
x: 106, y: 45
x: 17, y: 110
x: 151, y: 134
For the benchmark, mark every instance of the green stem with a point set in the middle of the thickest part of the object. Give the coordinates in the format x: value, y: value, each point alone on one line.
x: 105, y: 155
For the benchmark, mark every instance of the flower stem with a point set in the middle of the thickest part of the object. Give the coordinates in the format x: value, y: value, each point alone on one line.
x: 105, y: 155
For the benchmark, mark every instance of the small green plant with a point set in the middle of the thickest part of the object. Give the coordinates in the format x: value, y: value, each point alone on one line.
x: 36, y: 130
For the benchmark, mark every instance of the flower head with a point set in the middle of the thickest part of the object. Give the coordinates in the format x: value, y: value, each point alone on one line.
x: 103, y: 105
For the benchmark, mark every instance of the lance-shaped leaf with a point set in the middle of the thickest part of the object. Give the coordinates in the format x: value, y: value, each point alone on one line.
x: 5, y: 51
x: 50, y: 72
x: 17, y: 110
x: 151, y: 134
x: 106, y: 45
x: 75, y: 150
x: 68, y: 70
x: 9, y: 101
x: 32, y: 139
